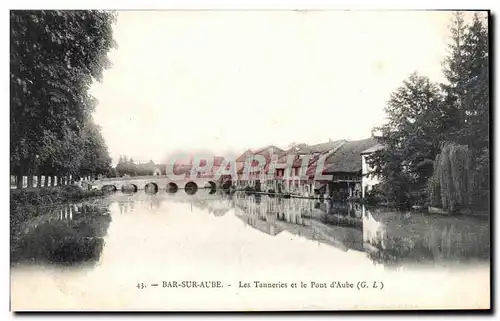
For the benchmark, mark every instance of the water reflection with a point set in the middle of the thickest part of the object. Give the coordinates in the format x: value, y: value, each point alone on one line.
x: 75, y: 232
x: 388, y: 237
x: 303, y: 217
x: 394, y: 238
x: 64, y: 234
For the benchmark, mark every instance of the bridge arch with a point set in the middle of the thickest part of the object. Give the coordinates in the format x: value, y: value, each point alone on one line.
x: 191, y: 188
x: 172, y: 187
x: 226, y: 185
x: 109, y: 188
x: 210, y: 184
x: 129, y: 188
x: 151, y: 188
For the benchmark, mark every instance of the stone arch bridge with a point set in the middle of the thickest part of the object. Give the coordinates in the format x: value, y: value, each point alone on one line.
x: 163, y: 182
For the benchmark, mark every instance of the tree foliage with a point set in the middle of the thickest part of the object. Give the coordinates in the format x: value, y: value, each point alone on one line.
x: 127, y: 166
x: 411, y: 137
x: 452, y: 184
x: 438, y: 135
x: 55, y: 57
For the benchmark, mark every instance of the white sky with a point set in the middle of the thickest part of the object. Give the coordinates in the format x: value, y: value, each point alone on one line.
x: 224, y: 81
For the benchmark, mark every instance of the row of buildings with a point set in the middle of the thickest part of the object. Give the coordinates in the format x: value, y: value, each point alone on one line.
x: 345, y: 161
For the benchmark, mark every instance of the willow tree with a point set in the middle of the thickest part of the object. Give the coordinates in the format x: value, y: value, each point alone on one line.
x: 452, y: 182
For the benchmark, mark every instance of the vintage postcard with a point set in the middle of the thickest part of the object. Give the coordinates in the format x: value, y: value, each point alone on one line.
x: 249, y: 160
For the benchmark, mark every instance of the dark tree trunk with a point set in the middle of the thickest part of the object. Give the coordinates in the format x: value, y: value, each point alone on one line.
x: 39, y: 181
x: 30, y: 180
x: 52, y: 180
x: 46, y: 181
x: 19, y: 181
x: 59, y: 181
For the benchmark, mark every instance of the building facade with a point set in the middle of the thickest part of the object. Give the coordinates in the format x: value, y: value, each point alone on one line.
x: 369, y: 180
x: 342, y: 160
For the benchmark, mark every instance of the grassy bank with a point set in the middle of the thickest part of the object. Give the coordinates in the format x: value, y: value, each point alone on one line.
x: 49, y: 196
x: 26, y: 204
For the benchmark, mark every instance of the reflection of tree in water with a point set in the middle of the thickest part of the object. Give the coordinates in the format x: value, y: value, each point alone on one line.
x: 126, y: 205
x: 217, y: 204
x: 64, y: 235
x: 395, y: 238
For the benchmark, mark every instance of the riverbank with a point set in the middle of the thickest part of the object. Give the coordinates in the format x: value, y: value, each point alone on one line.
x: 27, y: 204
x: 309, y: 197
x: 49, y: 195
x: 283, y: 195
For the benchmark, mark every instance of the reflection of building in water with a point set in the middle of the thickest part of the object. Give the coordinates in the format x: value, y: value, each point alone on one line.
x: 374, y: 233
x: 293, y: 210
x: 341, y: 213
x: 297, y: 216
x: 254, y: 212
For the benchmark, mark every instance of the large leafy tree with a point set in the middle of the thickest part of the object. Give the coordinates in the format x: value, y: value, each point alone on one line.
x: 411, y: 137
x: 96, y: 159
x: 54, y: 58
x: 424, y: 118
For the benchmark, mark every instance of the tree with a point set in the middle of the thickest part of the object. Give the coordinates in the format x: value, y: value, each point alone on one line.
x: 467, y: 87
x: 452, y: 185
x: 467, y: 92
x: 54, y: 58
x: 127, y: 166
x: 438, y: 132
x: 476, y: 100
x: 121, y: 167
x: 455, y: 71
x: 411, y: 137
x: 96, y: 159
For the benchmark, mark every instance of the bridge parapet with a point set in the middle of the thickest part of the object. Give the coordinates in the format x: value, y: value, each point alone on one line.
x: 162, y: 182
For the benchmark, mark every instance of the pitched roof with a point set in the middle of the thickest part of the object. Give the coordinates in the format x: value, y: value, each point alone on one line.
x: 348, y: 157
x: 268, y: 149
x: 299, y: 149
x: 373, y: 149
x: 326, y: 147
x: 218, y: 160
x: 244, y: 156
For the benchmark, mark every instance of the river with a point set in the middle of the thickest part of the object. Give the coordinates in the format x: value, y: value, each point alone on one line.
x: 124, y: 252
